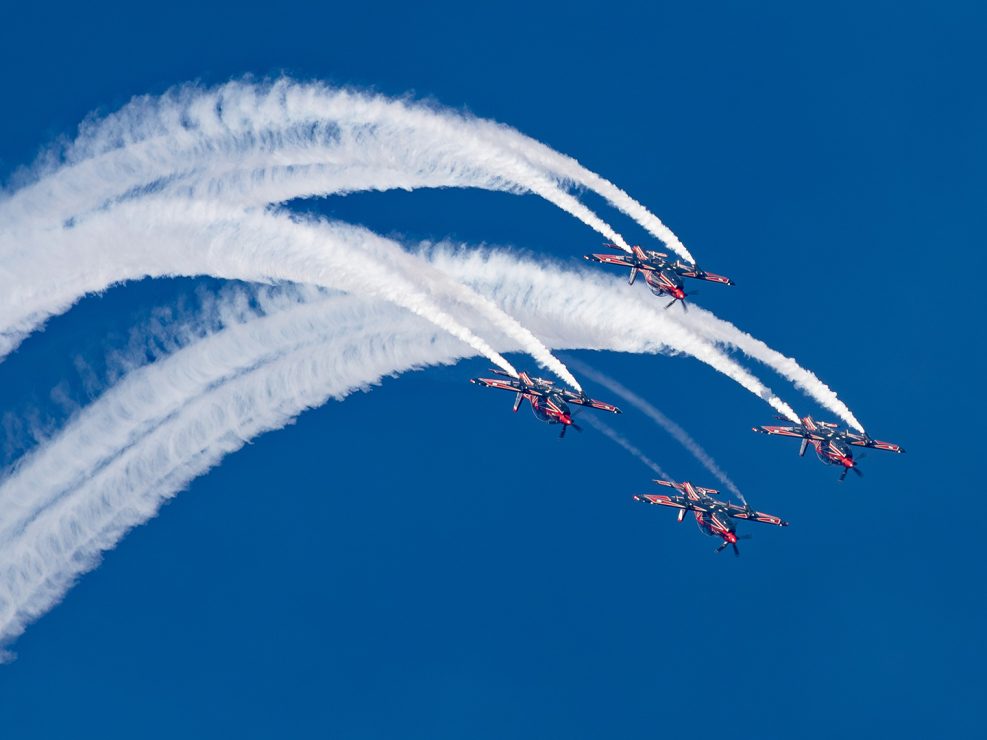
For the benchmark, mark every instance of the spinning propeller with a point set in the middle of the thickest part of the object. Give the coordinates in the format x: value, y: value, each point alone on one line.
x: 685, y: 306
x: 574, y: 425
x: 736, y: 550
x: 855, y: 469
x: 566, y: 426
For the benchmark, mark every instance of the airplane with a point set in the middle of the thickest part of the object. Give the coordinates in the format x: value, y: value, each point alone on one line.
x: 548, y: 403
x: 713, y: 516
x: 663, y: 277
x: 831, y: 444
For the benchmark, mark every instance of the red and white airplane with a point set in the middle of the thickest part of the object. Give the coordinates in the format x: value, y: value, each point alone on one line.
x: 550, y: 404
x: 832, y: 445
x: 714, y: 517
x: 662, y: 276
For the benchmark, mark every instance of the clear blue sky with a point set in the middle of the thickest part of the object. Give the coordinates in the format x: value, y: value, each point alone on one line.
x: 489, y: 581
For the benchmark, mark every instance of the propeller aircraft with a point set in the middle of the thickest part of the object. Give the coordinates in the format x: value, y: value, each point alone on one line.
x: 662, y: 276
x: 714, y: 517
x: 832, y: 445
x: 548, y: 402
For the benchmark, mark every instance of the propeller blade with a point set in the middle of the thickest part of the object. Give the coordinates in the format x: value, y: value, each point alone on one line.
x: 858, y: 471
x: 669, y: 305
x: 577, y: 427
x: 722, y: 547
x: 736, y: 550
x: 562, y: 433
x: 685, y: 306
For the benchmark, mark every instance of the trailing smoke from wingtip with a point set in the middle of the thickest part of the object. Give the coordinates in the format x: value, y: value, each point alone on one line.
x: 621, y: 440
x: 669, y: 425
x: 188, y: 184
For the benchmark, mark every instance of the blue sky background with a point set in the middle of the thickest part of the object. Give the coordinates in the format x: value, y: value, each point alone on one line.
x: 354, y: 576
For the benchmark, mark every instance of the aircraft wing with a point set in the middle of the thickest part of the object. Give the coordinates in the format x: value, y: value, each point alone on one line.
x: 591, y: 402
x: 860, y: 440
x: 697, y: 274
x: 504, y: 385
x: 692, y: 492
x: 739, y: 512
x: 676, y: 502
x: 787, y: 432
x: 611, y: 259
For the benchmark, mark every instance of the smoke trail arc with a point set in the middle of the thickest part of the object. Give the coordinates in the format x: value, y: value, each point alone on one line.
x: 189, y: 184
x: 615, y: 436
x: 669, y: 425
x: 259, y: 143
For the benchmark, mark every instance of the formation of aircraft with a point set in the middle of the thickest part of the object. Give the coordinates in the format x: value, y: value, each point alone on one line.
x: 832, y: 444
x: 662, y: 276
x: 714, y: 517
x: 548, y: 402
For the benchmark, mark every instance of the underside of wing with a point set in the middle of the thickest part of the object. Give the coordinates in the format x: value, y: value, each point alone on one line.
x: 504, y: 385
x: 697, y: 274
x: 739, y: 512
x: 875, y: 444
x: 785, y: 432
x: 594, y: 404
x: 581, y: 400
x: 611, y: 259
x: 676, y: 502
x: 670, y: 484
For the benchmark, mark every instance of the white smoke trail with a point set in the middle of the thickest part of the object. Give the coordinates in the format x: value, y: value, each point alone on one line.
x: 626, y: 320
x: 620, y: 439
x: 164, y: 424
x: 677, y: 432
x: 158, y: 237
x: 715, y: 329
x: 266, y: 140
x: 571, y: 301
x: 267, y: 143
x: 253, y: 146
x: 570, y: 170
x: 146, y: 438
